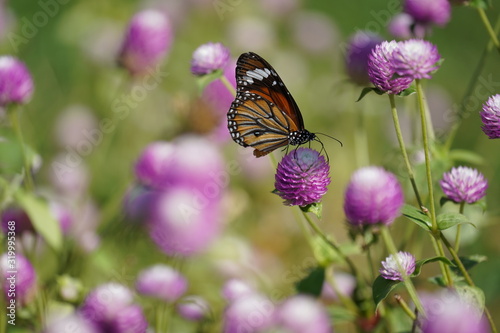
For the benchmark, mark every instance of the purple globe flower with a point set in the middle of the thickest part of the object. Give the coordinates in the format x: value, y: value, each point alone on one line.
x: 403, y: 26
x: 302, y: 313
x: 381, y: 69
x: 344, y: 283
x: 18, y: 275
x: 235, y: 288
x: 146, y: 42
x: 464, y: 184
x: 416, y: 59
x: 429, y: 11
x: 16, y: 219
x: 129, y: 320
x: 447, y: 312
x: 391, y: 269
x: 359, y: 48
x: 302, y: 177
x: 193, y: 308
x: 491, y: 117
x: 16, y: 84
x: 137, y: 203
x: 152, y: 165
x: 71, y: 324
x: 373, y: 195
x: 253, y: 313
x: 162, y: 282
x: 209, y: 57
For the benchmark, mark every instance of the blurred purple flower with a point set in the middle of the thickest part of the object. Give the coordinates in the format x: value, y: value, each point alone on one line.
x: 463, y: 184
x: 24, y: 282
x: 208, y: 58
x: 137, y: 203
x: 359, y: 48
x: 447, y: 312
x: 301, y: 313
x: 345, y: 283
x: 162, y: 282
x: 315, y: 32
x: 381, y: 69
x: 147, y: 41
x: 63, y: 215
x: 129, y: 320
x: 193, y: 308
x: 18, y: 219
x: 16, y: 84
x: 76, y: 126
x: 415, y: 59
x: 403, y: 26
x: 491, y: 117
x: 73, y: 323
x: 429, y: 11
x: 153, y: 163
x: 390, y: 267
x: 252, y: 314
x: 302, y: 177
x: 373, y: 195
x: 236, y: 288
x: 69, y: 176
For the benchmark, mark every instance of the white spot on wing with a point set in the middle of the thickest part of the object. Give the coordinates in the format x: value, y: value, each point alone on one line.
x: 255, y: 75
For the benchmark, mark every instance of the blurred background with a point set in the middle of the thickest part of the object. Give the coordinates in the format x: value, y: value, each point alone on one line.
x: 71, y: 52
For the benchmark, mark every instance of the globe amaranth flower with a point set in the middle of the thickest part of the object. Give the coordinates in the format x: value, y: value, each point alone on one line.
x: 464, y: 184
x: 147, y: 41
x: 16, y: 84
x: 302, y: 177
x: 209, y: 57
x: 490, y: 117
x: 359, y: 48
x: 397, y: 267
x: 193, y: 308
x: 429, y: 11
x: 415, y: 59
x: 381, y: 69
x: 24, y: 283
x: 373, y: 196
x: 345, y: 284
x: 302, y: 313
x: 68, y: 324
x: 241, y: 315
x: 403, y: 26
x: 162, y: 282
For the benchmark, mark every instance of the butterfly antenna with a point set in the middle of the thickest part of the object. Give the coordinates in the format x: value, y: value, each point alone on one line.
x: 331, y: 137
x: 323, y: 149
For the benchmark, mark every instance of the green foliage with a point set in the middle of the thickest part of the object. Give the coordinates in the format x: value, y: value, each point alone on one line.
x: 448, y: 220
x: 381, y: 288
x: 312, y: 284
x: 316, y: 208
x: 416, y: 216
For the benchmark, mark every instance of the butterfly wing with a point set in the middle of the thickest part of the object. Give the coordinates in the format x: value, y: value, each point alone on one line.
x: 264, y: 112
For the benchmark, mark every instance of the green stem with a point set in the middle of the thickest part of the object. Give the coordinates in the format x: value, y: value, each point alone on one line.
x: 489, y: 28
x: 391, y: 247
x: 402, y: 147
x: 405, y: 307
x: 14, y: 119
x: 227, y: 84
x: 457, y: 237
x: 347, y: 301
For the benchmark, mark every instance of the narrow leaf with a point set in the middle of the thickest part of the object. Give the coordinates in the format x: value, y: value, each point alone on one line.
x: 382, y: 288
x: 368, y: 90
x: 407, y: 92
x: 313, y: 283
x: 420, y: 263
x: 416, y: 216
x: 448, y: 220
x: 315, y: 208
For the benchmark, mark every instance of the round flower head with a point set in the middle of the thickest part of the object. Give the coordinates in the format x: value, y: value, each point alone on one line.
x: 162, y: 282
x: 464, y: 184
x: 72, y: 323
x: 193, y: 308
x: 130, y: 319
x: 429, y: 11
x: 359, y: 48
x: 252, y: 313
x: 403, y: 26
x: 391, y: 269
x: 381, y: 69
x: 24, y: 282
x: 302, y: 313
x: 302, y: 177
x: 416, y: 59
x: 491, y: 117
x: 147, y: 41
x: 373, y: 195
x: 208, y: 58
x: 16, y: 84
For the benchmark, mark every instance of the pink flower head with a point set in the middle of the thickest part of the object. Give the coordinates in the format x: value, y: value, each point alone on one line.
x: 360, y: 46
x: 464, y: 184
x: 16, y: 84
x: 416, y: 59
x: 490, y: 117
x: 429, y: 11
x: 209, y: 57
x: 18, y: 275
x: 162, y: 282
x: 302, y: 313
x: 391, y: 266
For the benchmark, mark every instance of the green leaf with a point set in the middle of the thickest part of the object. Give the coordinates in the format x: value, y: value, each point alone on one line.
x: 416, y: 216
x: 323, y: 252
x: 312, y: 284
x: 41, y: 217
x: 448, y: 220
x: 469, y: 262
x: 408, y: 91
x: 368, y: 90
x: 444, y: 200
x: 204, y: 80
x: 420, y: 263
x: 466, y: 156
x: 482, y: 4
x: 382, y: 288
x: 315, y: 208
x: 438, y: 280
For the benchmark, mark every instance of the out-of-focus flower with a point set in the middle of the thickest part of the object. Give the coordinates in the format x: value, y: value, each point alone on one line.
x: 464, y: 184
x: 162, y: 282
x: 281, y: 8
x: 63, y: 216
x: 403, y: 26
x: 391, y: 266
x: 137, y: 203
x: 22, y: 284
x: 252, y: 33
x: 147, y: 41
x: 416, y: 59
x: 71, y: 324
x: 77, y: 126
x: 315, y: 32
x: 253, y: 313
x: 193, y: 308
x: 447, y: 312
x: 16, y: 219
x: 429, y: 11
x: 359, y: 48
x: 153, y: 163
x: 208, y: 58
x: 373, y: 195
x: 16, y: 84
x: 491, y: 117
x: 381, y: 69
x: 130, y: 320
x: 218, y: 95
x: 345, y: 283
x: 235, y: 288
x: 69, y: 175
x: 302, y: 313
x: 302, y: 177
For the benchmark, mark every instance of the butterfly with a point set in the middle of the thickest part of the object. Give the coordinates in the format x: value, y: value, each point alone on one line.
x: 264, y: 114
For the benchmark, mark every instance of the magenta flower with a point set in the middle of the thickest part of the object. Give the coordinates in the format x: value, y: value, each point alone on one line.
x: 130, y: 320
x: 162, y: 282
x: 381, y: 69
x: 391, y: 269
x: 345, y: 283
x: 16, y: 219
x: 19, y: 277
x: 429, y: 11
x: 16, y: 84
x: 373, y: 195
x: 360, y: 46
x: 154, y: 162
x: 235, y: 288
x: 193, y: 308
x: 240, y: 316
x: 209, y: 57
x: 302, y: 177
x: 105, y: 302
x: 490, y: 117
x: 464, y: 184
x: 415, y: 59
x: 147, y: 41
x: 302, y: 313
x: 403, y: 26
x: 68, y: 324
